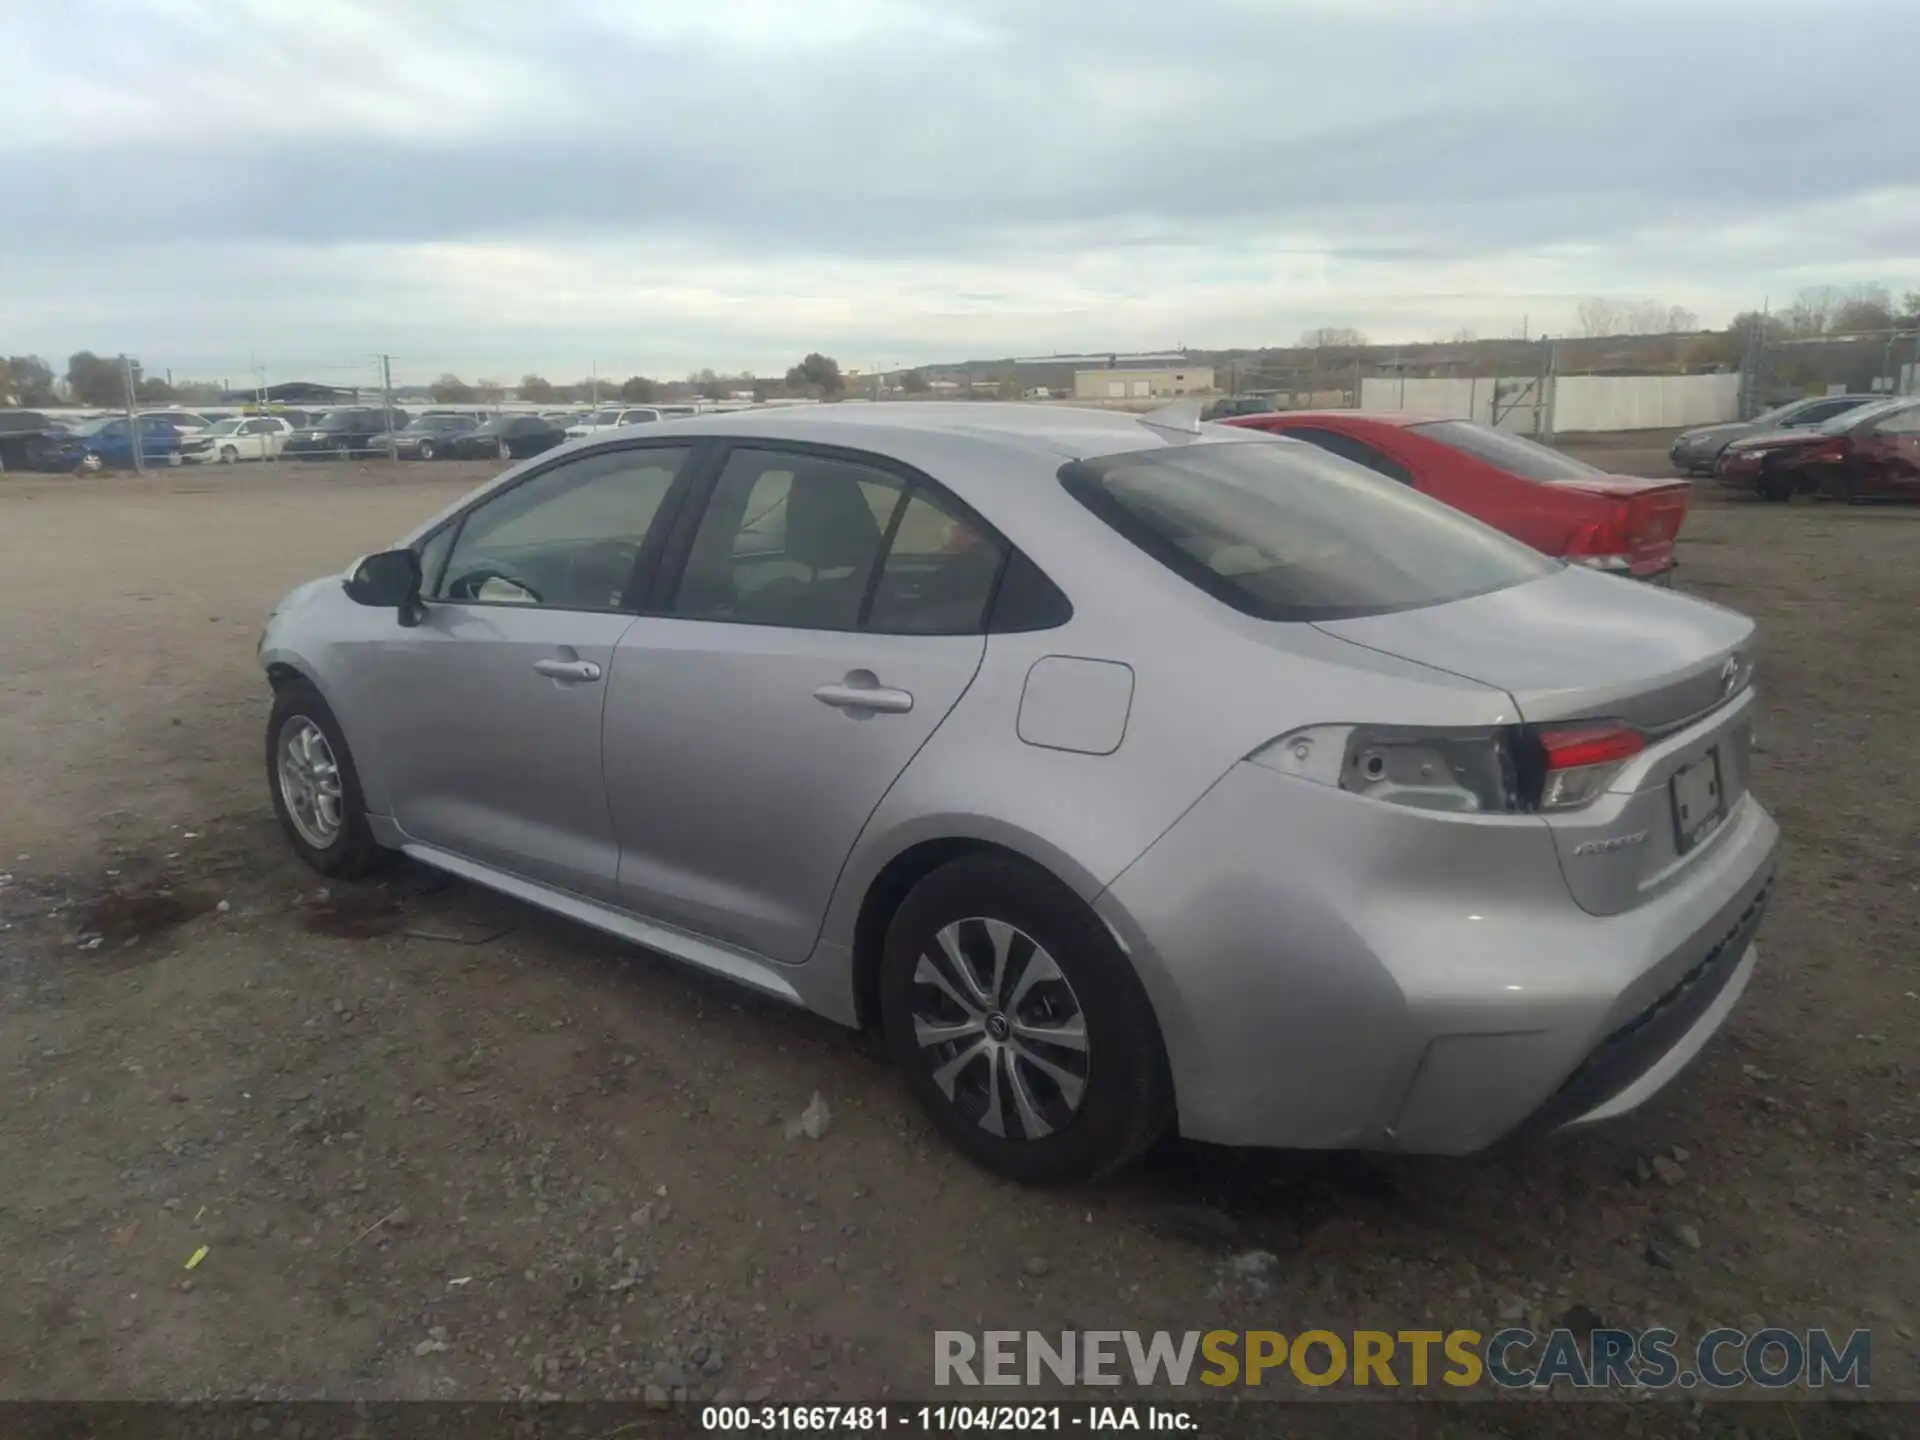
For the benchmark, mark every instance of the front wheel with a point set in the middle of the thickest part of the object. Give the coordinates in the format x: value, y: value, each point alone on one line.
x: 1020, y: 1026
x: 1776, y: 487
x: 425, y: 452
x: 315, y: 788
x: 505, y: 450
x: 228, y: 454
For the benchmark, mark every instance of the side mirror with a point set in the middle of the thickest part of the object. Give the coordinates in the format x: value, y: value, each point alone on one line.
x: 389, y: 580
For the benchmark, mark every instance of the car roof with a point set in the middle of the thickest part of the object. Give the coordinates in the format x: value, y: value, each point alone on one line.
x: 1400, y: 418
x: 905, y: 428
x: 990, y: 455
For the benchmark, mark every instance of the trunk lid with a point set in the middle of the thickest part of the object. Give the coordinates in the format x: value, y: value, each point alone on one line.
x: 1576, y: 646
x: 1646, y: 519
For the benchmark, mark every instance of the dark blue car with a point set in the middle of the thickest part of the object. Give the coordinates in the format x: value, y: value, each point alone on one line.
x: 107, y: 443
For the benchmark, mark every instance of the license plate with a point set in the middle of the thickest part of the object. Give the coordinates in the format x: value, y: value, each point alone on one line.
x: 1698, y: 805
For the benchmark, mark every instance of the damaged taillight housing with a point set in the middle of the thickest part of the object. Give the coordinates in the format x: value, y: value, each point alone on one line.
x: 1497, y: 770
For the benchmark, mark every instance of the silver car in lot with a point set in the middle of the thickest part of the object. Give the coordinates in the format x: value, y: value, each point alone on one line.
x: 1126, y: 773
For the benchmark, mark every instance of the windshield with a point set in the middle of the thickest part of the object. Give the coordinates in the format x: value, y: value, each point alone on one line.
x: 350, y: 420
x: 225, y: 427
x: 1512, y: 453
x: 1288, y: 532
x: 94, y: 427
x: 1859, y: 415
x: 604, y: 417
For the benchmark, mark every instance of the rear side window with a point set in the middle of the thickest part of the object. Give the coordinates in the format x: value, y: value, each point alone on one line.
x: 1514, y: 454
x: 1348, y: 448
x: 1284, y: 532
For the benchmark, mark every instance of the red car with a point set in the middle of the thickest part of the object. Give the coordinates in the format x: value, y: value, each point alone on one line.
x: 1553, y: 502
x: 1872, y: 453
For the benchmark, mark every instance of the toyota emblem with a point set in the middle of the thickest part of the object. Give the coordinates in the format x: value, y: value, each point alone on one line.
x: 1729, y: 674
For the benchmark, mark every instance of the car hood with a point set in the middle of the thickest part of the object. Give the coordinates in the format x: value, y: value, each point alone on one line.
x: 1571, y: 645
x: 1779, y: 440
x: 1727, y: 430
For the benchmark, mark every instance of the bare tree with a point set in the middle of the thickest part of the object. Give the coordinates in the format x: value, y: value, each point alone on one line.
x: 1333, y: 337
x: 1839, y: 309
x: 1600, y: 315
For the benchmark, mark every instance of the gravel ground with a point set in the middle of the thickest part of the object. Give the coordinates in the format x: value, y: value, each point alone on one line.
x: 435, y: 1144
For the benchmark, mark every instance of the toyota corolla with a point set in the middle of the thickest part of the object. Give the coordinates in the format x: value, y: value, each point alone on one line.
x: 1127, y: 774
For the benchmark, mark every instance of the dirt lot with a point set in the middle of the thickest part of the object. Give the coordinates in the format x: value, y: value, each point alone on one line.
x: 435, y: 1144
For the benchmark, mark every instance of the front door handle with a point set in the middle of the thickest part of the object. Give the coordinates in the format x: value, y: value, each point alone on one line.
x: 575, y: 670
x: 861, y: 693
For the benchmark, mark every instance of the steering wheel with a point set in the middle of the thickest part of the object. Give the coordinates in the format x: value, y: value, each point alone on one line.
x: 598, y: 574
x: 469, y: 585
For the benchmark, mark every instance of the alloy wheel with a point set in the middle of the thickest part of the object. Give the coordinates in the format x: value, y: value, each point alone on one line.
x: 1000, y: 1029
x: 310, y: 782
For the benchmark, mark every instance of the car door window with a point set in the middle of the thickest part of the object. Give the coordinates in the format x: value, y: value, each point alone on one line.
x: 789, y: 540
x: 938, y: 576
x: 1349, y: 448
x: 569, y: 538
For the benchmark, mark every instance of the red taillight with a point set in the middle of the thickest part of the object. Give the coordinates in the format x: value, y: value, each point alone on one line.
x: 1577, y: 762
x: 1590, y: 745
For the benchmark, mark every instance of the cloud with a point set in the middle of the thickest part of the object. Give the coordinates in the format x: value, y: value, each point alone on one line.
x: 679, y: 184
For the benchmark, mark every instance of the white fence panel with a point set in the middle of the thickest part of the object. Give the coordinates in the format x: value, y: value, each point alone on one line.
x: 1643, y: 402
x: 1580, y: 402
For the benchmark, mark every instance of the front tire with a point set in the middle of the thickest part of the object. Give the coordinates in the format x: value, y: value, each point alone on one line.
x: 506, y: 451
x: 315, y: 787
x: 425, y: 452
x: 1020, y: 1026
x: 1776, y: 487
x: 228, y: 455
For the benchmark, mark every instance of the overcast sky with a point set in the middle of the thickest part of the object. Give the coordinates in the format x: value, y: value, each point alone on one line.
x: 653, y: 186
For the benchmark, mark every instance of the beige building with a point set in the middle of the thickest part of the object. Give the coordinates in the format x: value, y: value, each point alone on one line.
x: 1141, y: 384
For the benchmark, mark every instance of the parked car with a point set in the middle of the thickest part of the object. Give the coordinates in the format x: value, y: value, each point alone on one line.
x: 614, y: 418
x: 27, y: 438
x: 1229, y: 406
x: 249, y: 437
x: 508, y: 437
x: 108, y: 443
x: 1871, y: 452
x: 1122, y: 776
x: 1560, y: 506
x: 431, y: 436
x: 346, y: 432
x: 184, y: 422
x: 1695, y: 452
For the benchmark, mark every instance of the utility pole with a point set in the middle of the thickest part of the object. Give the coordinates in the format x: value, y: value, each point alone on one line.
x: 386, y: 402
x: 133, y: 421
x: 594, y: 383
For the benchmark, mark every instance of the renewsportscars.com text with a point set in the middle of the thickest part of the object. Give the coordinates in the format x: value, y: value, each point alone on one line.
x: 1652, y: 1359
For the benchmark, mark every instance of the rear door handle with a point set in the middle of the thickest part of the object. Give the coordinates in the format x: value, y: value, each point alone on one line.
x: 575, y: 670
x: 868, y: 697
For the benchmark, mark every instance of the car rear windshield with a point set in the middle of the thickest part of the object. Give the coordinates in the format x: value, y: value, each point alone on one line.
x: 1512, y: 453
x: 350, y: 420
x: 1283, y: 531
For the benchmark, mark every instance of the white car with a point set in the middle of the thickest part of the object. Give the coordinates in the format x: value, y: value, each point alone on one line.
x: 257, y: 437
x: 616, y: 416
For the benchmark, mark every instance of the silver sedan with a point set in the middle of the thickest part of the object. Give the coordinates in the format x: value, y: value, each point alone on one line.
x: 1127, y: 773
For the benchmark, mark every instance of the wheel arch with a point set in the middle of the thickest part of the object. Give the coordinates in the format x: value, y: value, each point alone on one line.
x: 890, y: 884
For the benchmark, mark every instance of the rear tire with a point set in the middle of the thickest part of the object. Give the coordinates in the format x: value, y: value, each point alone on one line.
x: 325, y: 819
x: 985, y: 959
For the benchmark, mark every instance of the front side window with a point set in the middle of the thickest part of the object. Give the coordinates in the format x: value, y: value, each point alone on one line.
x: 1514, y: 454
x: 1284, y: 532
x: 569, y: 538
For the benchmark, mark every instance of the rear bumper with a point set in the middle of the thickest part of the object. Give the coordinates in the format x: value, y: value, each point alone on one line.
x: 1331, y: 972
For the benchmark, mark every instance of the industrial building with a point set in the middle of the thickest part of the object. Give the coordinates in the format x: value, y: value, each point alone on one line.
x: 1128, y: 383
